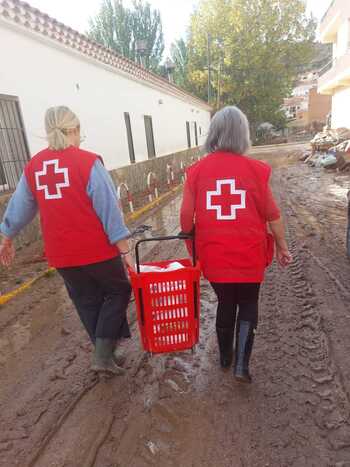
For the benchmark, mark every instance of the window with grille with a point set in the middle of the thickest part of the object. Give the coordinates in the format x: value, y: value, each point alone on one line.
x: 14, y: 151
x: 150, y: 137
x: 188, y: 131
x: 196, y: 133
x: 130, y: 138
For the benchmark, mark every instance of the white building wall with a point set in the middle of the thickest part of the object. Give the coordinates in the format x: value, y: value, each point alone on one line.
x: 340, y: 109
x: 343, y: 37
x: 44, y: 74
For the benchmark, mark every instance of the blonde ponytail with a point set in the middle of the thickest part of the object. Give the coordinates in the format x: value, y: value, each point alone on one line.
x: 58, y: 121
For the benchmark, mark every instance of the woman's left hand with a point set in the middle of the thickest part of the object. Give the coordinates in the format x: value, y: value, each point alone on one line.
x: 7, y: 252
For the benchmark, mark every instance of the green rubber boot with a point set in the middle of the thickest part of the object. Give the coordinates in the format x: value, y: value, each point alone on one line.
x: 103, y: 361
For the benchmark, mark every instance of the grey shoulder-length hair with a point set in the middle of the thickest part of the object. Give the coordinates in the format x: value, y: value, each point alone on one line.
x: 229, y: 131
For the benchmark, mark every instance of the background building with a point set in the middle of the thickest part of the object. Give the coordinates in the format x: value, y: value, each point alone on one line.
x: 335, y: 78
x: 306, y: 107
x: 127, y: 114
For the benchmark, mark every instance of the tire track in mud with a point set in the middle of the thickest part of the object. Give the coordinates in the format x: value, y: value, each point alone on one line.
x: 325, y: 250
x: 302, y: 354
x: 35, y: 386
x: 61, y: 420
x: 79, y: 435
x: 319, y: 381
x: 303, y: 418
x: 319, y: 219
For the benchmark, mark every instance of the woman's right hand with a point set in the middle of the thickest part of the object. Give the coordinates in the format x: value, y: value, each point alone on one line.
x: 284, y: 256
x: 129, y: 262
x: 7, y: 252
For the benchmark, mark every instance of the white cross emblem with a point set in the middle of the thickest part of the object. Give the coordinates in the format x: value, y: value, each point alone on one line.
x: 57, y: 186
x: 234, y: 207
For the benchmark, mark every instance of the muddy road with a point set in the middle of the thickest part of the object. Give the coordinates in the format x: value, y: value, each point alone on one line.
x: 181, y: 410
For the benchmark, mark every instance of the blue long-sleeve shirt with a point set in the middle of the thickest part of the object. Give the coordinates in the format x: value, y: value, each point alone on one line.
x: 23, y: 207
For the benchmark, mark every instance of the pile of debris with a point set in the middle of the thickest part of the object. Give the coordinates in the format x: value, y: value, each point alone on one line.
x: 330, y: 149
x: 328, y: 138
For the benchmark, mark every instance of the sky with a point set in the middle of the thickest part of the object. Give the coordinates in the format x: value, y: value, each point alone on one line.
x: 175, y: 13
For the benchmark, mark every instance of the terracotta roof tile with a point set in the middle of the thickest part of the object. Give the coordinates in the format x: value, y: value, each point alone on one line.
x: 33, y: 19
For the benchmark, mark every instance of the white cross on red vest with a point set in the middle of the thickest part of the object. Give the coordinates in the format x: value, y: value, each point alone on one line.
x: 225, y: 202
x: 52, y: 179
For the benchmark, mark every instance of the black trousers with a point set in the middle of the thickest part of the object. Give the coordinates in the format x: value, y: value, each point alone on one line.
x: 233, y: 297
x: 101, y: 294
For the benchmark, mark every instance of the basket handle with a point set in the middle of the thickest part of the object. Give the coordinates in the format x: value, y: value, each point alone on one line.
x: 181, y: 236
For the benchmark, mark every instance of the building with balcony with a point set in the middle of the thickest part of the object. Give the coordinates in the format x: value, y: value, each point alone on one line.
x: 306, y: 107
x: 335, y: 77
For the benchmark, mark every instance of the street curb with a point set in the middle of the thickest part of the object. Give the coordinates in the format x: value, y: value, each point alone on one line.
x: 9, y: 296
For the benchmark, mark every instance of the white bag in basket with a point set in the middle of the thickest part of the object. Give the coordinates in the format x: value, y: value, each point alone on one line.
x: 171, y: 267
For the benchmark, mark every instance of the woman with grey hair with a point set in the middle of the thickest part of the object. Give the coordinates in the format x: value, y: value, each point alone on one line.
x: 228, y: 202
x: 83, y: 231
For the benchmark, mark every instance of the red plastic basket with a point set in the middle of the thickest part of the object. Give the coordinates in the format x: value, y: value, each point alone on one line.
x: 168, y: 305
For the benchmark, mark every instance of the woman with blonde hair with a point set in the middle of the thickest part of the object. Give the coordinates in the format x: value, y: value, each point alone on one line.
x: 83, y: 230
x: 227, y: 199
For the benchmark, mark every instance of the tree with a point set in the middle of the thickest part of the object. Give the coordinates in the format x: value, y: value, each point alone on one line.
x: 147, y: 25
x: 322, y: 56
x: 259, y: 45
x: 113, y: 28
x: 179, y: 56
x: 120, y: 28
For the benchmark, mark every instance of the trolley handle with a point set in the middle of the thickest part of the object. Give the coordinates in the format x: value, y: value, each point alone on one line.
x: 181, y: 236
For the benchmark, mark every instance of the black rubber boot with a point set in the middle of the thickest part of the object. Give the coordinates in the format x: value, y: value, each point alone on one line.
x: 244, y: 345
x: 225, y: 341
x: 103, y: 361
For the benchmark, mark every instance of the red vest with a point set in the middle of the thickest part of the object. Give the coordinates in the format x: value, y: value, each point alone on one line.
x: 230, y: 193
x: 73, y: 234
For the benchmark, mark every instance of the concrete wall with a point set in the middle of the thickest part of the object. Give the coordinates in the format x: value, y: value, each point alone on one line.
x: 340, y: 109
x: 135, y: 176
x: 43, y: 74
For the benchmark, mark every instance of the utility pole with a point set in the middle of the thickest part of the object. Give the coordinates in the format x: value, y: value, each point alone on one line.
x: 219, y: 86
x: 209, y: 67
x: 221, y: 49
